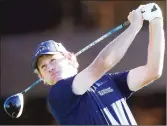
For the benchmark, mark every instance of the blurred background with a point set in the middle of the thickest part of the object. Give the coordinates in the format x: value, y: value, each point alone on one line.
x: 75, y: 23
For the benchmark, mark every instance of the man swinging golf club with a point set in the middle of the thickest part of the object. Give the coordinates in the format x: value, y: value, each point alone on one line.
x: 93, y: 96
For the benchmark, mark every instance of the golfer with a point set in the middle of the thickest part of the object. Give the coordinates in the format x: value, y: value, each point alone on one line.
x: 94, y: 96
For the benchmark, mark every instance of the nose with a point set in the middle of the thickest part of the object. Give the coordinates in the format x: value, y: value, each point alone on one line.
x: 50, y: 68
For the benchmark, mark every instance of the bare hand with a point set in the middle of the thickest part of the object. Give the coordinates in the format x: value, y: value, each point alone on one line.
x: 136, y: 19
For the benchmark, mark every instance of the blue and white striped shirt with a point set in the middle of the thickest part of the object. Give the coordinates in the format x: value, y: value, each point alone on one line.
x: 103, y: 104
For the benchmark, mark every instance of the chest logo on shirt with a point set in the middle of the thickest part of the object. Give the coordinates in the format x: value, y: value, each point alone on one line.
x: 100, y: 83
x: 105, y: 91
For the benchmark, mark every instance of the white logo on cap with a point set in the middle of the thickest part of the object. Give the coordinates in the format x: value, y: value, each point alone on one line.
x: 41, y: 49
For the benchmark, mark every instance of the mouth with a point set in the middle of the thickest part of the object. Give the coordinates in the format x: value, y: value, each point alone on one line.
x: 55, y: 74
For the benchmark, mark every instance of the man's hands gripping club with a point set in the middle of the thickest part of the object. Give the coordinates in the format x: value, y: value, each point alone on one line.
x: 148, y: 12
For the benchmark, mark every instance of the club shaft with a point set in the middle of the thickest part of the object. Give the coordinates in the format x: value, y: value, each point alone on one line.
x: 86, y: 48
x: 31, y: 86
x: 103, y: 37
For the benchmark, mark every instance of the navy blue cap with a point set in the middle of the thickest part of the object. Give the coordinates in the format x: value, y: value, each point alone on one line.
x: 47, y: 47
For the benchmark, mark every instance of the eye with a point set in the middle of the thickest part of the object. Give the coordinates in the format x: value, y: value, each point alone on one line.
x: 52, y: 60
x: 43, y: 66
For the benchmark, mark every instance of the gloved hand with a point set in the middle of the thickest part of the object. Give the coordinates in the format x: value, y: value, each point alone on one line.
x: 151, y: 11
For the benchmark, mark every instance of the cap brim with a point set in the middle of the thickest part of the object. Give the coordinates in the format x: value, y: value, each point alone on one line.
x: 34, y: 65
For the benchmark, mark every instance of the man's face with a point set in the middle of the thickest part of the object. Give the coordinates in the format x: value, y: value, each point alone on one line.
x: 55, y: 67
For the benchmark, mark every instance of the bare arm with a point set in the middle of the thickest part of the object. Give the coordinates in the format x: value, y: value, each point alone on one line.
x: 109, y: 56
x: 143, y: 75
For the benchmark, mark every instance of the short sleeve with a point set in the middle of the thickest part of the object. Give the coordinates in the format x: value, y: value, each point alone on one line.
x: 120, y: 78
x: 61, y: 97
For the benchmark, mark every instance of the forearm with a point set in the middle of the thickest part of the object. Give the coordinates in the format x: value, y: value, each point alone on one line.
x: 106, y: 59
x: 156, y: 47
x: 117, y: 48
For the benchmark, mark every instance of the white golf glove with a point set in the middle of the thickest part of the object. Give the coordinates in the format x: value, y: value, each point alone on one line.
x: 151, y: 11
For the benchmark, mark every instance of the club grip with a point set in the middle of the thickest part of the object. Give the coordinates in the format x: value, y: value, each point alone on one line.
x: 126, y: 23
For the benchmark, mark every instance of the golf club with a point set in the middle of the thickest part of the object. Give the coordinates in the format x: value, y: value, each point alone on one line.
x: 14, y: 104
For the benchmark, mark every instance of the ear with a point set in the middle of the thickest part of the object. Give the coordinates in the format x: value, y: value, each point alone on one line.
x: 73, y: 59
x: 69, y: 56
x: 40, y: 75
